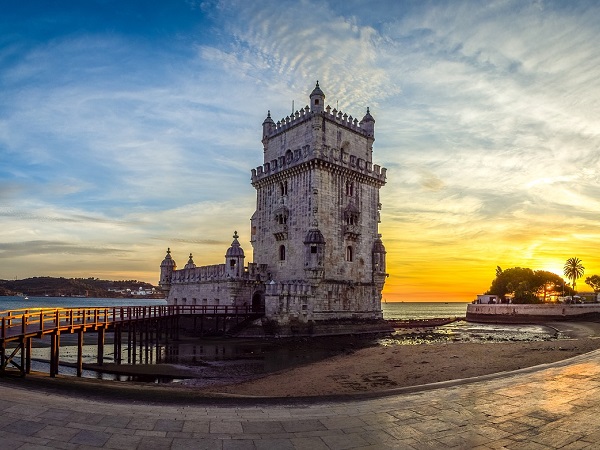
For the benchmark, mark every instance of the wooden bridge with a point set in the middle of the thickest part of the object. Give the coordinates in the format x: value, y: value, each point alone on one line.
x: 143, y: 324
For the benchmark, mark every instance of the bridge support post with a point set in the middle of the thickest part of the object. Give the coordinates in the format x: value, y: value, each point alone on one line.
x: 101, y: 331
x: 27, y: 355
x: 129, y: 343
x: 54, y: 352
x: 117, y: 344
x: 134, y: 344
x: 146, y: 339
x: 80, y: 352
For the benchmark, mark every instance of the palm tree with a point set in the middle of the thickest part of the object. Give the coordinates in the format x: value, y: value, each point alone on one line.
x: 573, y: 269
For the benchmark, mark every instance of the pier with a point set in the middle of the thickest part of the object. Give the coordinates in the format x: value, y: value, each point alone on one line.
x: 143, y: 326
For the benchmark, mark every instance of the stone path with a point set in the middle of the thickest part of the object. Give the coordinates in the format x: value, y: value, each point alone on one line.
x: 554, y: 406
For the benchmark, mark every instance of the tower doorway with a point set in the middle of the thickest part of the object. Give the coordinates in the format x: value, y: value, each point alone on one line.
x: 258, y: 302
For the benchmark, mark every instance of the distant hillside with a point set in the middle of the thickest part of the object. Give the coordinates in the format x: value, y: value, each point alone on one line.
x: 73, y: 287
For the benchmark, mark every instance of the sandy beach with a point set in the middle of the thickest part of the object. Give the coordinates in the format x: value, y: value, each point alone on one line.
x: 383, y: 367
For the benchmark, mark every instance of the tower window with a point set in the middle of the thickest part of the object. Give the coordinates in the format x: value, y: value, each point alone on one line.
x: 232, y: 263
x: 316, y: 101
x: 349, y: 253
x: 282, y: 253
x: 313, y: 249
x: 283, y: 187
x: 349, y: 188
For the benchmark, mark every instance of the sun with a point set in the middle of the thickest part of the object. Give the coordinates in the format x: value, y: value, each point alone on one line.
x: 554, y: 267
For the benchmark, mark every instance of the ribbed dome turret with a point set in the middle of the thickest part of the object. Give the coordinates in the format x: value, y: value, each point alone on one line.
x: 317, y: 99
x: 314, y: 236
x: 317, y: 91
x: 268, y: 120
x: 235, y: 249
x: 368, y: 117
x: 190, y: 264
x: 368, y: 123
x: 168, y: 261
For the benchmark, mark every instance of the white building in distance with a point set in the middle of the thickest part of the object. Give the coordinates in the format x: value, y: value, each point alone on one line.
x: 317, y: 251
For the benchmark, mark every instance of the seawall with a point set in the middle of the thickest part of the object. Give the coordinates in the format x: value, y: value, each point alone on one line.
x: 531, y: 313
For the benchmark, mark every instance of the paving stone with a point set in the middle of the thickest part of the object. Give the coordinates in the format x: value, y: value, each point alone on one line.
x: 155, y: 443
x: 295, y: 426
x: 117, y: 421
x: 91, y: 438
x: 239, y: 444
x: 168, y: 425
x: 262, y: 427
x: 123, y: 442
x: 226, y: 427
x: 141, y: 423
x: 57, y: 433
x: 309, y: 443
x: 344, y: 441
x: 274, y: 444
x: 24, y: 427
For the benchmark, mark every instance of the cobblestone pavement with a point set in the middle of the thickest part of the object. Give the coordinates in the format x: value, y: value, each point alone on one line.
x: 553, y: 406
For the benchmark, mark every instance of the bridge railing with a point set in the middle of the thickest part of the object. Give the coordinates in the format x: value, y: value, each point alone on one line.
x: 40, y: 320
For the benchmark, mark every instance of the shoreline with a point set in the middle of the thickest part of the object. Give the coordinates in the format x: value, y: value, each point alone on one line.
x: 377, y: 368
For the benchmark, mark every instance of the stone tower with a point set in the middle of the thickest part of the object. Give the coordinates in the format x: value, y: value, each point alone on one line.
x: 317, y: 215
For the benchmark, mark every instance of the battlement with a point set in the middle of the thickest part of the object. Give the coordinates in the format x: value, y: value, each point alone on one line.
x: 202, y: 273
x: 304, y: 114
x: 217, y: 272
x: 333, y: 156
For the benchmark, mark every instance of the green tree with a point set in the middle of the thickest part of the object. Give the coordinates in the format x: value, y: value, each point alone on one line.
x: 593, y: 282
x: 525, y: 285
x: 573, y: 270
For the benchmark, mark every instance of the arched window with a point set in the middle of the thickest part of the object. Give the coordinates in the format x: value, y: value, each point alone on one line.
x: 349, y: 188
x: 283, y: 188
x: 232, y: 263
x: 349, y: 253
x: 282, y: 253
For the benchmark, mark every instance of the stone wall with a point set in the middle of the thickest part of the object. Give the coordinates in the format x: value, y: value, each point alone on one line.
x: 530, y: 313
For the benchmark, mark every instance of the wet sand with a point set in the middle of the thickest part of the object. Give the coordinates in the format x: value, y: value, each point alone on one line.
x: 383, y: 367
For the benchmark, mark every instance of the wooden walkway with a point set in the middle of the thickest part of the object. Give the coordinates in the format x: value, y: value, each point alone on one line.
x: 151, y: 323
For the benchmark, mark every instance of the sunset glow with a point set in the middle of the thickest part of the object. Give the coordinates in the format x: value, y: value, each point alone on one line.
x: 130, y: 127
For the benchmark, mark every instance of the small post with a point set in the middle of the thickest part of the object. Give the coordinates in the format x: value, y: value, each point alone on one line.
x: 28, y: 355
x: 54, y: 353
x: 100, y: 345
x: 80, y: 352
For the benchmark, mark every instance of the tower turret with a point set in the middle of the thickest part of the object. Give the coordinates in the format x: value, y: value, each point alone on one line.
x: 234, y: 258
x: 167, y: 267
x: 268, y: 127
x: 378, y: 256
x: 368, y: 124
x: 317, y: 99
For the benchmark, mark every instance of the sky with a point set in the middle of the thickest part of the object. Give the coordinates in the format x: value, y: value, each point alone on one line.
x: 127, y: 127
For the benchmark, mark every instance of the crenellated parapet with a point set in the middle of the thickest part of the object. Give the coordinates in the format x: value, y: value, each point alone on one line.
x: 217, y: 272
x: 333, y: 159
x: 333, y: 115
x: 199, y: 274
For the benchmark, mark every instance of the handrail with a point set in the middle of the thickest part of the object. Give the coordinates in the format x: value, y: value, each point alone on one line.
x: 40, y: 320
